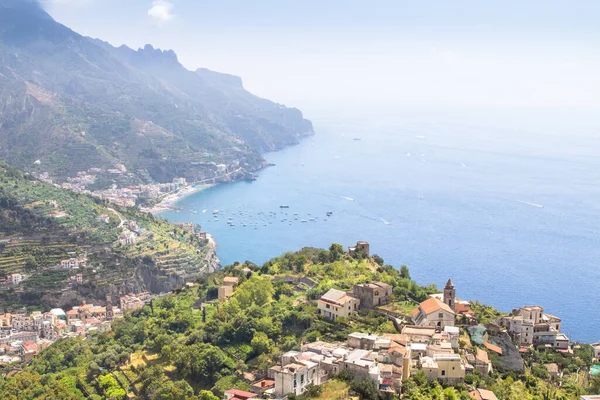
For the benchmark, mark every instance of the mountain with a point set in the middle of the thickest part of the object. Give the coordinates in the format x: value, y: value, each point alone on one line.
x: 118, y: 250
x: 75, y: 103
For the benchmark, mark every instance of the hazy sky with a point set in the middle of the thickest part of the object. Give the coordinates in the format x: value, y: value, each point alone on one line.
x: 324, y: 55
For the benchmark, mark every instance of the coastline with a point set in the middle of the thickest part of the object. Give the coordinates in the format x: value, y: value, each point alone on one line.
x: 168, y: 202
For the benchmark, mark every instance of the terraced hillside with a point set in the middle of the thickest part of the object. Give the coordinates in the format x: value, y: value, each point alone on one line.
x: 102, y: 249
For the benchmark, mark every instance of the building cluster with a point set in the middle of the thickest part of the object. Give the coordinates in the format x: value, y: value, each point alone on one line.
x: 530, y: 325
x: 22, y: 335
x: 126, y: 196
x: 337, y: 303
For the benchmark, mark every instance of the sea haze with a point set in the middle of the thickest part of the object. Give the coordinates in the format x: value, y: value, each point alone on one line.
x: 505, y: 205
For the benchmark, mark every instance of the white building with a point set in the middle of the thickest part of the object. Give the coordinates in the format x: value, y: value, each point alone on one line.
x: 336, y: 303
x: 14, y: 279
x: 294, y: 377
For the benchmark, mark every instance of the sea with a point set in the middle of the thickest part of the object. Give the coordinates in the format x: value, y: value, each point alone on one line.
x: 507, y: 204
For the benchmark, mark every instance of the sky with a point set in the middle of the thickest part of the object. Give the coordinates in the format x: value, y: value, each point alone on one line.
x: 341, y: 56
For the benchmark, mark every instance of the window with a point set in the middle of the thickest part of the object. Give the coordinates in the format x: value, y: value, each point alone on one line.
x: 302, y: 379
x: 443, y: 372
x: 441, y: 315
x: 327, y: 306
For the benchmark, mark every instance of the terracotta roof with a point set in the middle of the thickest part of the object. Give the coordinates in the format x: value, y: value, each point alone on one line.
x: 432, y: 305
x: 462, y: 308
x: 487, y: 394
x: 482, y: 356
x: 493, y: 347
x: 241, y: 394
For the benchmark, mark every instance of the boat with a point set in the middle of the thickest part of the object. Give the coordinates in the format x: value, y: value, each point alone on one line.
x: 357, y: 139
x: 284, y: 206
x: 215, y: 212
x: 304, y: 220
x: 203, y: 211
x: 329, y: 213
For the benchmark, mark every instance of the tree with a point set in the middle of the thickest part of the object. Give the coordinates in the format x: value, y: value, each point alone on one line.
x: 261, y: 343
x: 207, y: 395
x: 404, y: 273
x: 256, y: 290
x: 378, y: 259
x: 336, y: 252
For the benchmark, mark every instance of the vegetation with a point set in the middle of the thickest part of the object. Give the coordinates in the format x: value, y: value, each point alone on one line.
x: 189, y: 346
x: 33, y: 241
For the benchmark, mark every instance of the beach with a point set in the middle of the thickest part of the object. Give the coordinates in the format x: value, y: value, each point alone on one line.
x: 168, y: 202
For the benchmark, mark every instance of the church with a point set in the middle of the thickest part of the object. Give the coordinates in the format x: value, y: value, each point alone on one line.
x: 435, y: 311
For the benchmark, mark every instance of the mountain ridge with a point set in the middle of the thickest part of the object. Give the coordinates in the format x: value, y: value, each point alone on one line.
x: 65, y: 96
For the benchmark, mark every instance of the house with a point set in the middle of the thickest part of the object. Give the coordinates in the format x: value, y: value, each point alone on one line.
x: 263, y: 385
x: 482, y: 362
x: 127, y: 237
x: 224, y: 292
x: 445, y: 368
x: 335, y: 304
x: 482, y: 394
x: 373, y: 294
x: 433, y: 312
x: 453, y: 334
x: 71, y: 263
x: 361, y: 247
x: 294, y: 377
x: 104, y: 218
x: 230, y: 280
x: 596, y: 347
x: 418, y: 334
x: 552, y: 371
x: 14, y: 279
x: 235, y: 394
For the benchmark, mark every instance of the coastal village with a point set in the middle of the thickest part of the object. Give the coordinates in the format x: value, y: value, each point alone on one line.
x: 440, y: 337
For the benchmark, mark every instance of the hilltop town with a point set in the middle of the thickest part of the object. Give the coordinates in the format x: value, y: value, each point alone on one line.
x: 323, y: 324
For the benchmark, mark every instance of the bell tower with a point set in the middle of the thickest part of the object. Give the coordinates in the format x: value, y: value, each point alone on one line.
x: 110, y: 315
x: 450, y: 295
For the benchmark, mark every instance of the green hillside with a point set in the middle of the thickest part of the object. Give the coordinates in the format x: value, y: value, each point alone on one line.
x: 172, y: 349
x: 40, y: 225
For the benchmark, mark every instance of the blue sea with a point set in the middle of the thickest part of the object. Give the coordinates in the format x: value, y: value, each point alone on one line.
x: 505, y: 204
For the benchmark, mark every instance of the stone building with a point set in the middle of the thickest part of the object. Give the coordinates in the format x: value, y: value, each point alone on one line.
x: 362, y: 247
x: 373, y: 294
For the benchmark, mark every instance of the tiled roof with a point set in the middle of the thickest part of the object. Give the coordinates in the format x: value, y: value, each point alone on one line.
x: 493, y: 347
x: 241, y: 394
x: 432, y: 305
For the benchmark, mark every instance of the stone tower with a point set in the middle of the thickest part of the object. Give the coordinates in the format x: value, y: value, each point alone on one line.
x: 110, y: 315
x: 450, y: 295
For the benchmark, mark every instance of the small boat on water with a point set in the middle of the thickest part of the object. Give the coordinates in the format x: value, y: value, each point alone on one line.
x: 284, y: 206
x: 304, y: 220
x: 203, y: 211
x: 329, y: 213
x: 215, y: 212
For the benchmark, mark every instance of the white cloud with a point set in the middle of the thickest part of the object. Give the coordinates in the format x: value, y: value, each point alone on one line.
x: 161, y: 11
